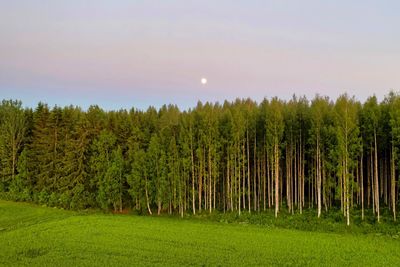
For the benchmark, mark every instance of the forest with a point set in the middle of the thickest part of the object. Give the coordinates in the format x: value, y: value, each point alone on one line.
x: 239, y: 156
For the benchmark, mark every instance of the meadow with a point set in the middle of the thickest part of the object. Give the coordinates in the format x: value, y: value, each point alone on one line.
x: 32, y: 235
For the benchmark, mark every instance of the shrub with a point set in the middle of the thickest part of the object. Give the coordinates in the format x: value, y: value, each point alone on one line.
x: 43, y: 197
x: 53, y: 200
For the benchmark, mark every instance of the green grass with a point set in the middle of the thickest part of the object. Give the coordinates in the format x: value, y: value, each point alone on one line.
x: 330, y: 222
x: 37, y: 236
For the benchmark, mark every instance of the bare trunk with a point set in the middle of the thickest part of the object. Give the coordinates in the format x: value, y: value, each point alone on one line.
x: 120, y: 190
x: 347, y: 197
x: 362, y: 187
x: 265, y: 181
x: 255, y: 174
x: 318, y: 178
x: 372, y: 181
x: 239, y: 197
x: 248, y: 173
x: 301, y: 177
x: 287, y: 179
x: 295, y: 176
x: 14, y: 156
x: 376, y: 179
x: 393, y: 183
x: 276, y: 169
x: 269, y: 182
x: 147, y: 198
x: 193, y: 190
x: 159, y: 208
x: 227, y: 180
x: 209, y: 180
x: 243, y: 177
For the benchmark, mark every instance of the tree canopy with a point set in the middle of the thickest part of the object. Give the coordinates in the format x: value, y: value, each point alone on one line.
x: 235, y: 157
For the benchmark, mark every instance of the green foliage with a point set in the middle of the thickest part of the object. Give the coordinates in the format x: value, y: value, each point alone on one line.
x: 102, y: 168
x: 274, y: 122
x: 12, y: 133
x: 21, y: 186
x: 43, y: 197
x: 113, y: 179
x: 232, y: 157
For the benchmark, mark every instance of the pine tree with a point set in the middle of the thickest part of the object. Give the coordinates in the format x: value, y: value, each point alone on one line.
x: 21, y: 186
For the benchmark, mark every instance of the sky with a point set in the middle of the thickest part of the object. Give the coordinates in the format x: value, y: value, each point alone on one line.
x: 123, y: 54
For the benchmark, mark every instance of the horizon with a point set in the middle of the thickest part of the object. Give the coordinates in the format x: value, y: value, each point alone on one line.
x: 188, y: 108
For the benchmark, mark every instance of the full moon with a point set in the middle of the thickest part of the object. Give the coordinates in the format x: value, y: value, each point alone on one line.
x: 203, y: 81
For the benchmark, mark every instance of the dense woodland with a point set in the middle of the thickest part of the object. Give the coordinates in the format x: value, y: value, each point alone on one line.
x: 239, y: 156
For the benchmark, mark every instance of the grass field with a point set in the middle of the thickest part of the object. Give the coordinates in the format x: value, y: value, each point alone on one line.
x: 39, y: 236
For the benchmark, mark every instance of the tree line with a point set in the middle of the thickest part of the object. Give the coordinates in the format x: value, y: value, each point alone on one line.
x: 239, y: 156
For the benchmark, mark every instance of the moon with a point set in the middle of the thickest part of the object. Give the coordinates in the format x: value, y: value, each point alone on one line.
x: 203, y: 81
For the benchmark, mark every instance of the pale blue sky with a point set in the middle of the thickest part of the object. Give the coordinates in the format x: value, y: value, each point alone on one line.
x: 140, y: 53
